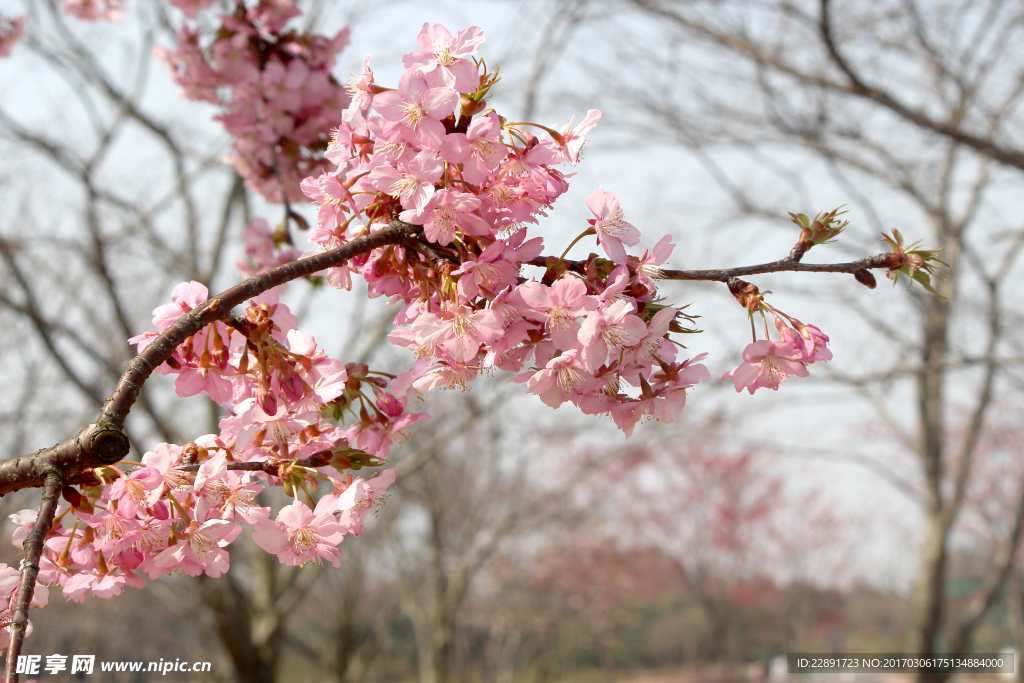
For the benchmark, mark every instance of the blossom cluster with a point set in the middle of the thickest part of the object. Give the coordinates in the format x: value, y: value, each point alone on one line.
x: 180, y: 506
x: 274, y: 86
x: 766, y: 363
x: 430, y: 153
x: 160, y: 516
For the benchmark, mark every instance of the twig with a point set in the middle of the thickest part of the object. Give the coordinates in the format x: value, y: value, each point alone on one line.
x: 273, y: 467
x: 288, y: 213
x: 33, y: 545
x: 888, y: 261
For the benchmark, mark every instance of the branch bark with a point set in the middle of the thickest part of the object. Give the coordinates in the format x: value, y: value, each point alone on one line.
x: 54, y: 481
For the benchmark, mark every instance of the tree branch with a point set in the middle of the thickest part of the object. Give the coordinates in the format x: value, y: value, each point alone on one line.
x: 54, y: 481
x: 103, y: 442
x: 888, y: 261
x: 857, y: 86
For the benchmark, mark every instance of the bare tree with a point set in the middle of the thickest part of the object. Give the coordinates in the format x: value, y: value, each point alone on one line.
x: 467, y: 489
x: 914, y: 110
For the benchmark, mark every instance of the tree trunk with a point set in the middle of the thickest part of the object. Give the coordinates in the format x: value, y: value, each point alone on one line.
x: 930, y: 599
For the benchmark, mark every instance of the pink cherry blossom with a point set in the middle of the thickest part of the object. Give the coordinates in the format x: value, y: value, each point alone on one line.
x: 184, y: 297
x: 558, y: 379
x: 612, y: 229
x: 200, y: 550
x: 528, y: 165
x: 648, y: 267
x: 767, y: 364
x: 140, y: 489
x: 360, y: 88
x: 490, y: 272
x: 607, y: 329
x: 353, y: 502
x: 166, y: 458
x: 557, y: 306
x: 572, y: 141
x: 447, y: 213
x: 379, y: 436
x: 102, y: 585
x: 299, y: 535
x: 446, y: 57
x: 811, y: 341
x: 369, y: 498
x: 415, y: 110
x: 479, y: 149
x: 445, y: 374
x: 415, y: 186
x: 654, y: 344
x: 459, y: 330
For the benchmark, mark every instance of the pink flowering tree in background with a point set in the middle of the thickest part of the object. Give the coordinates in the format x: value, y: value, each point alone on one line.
x: 436, y: 201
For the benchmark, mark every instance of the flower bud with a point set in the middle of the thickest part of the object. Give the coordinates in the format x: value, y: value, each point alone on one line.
x: 243, y: 363
x: 72, y: 496
x: 866, y: 278
x: 388, y: 404
x: 470, y: 107
x: 824, y: 227
x: 356, y: 370
x: 746, y: 293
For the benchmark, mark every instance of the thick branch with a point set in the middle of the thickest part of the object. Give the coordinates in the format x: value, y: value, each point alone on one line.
x: 30, y: 569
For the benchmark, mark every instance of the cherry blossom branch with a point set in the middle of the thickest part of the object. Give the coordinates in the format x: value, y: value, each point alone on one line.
x: 273, y: 467
x: 103, y: 442
x: 54, y: 481
x: 440, y: 262
x: 887, y: 260
x: 160, y: 349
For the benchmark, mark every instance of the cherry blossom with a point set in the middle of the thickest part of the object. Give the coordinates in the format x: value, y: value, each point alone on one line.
x: 415, y: 110
x: 607, y: 329
x: 767, y: 364
x: 299, y: 535
x: 572, y: 142
x: 612, y: 229
x: 447, y: 56
x: 415, y: 186
x: 200, y: 550
x: 479, y: 149
x: 447, y: 213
